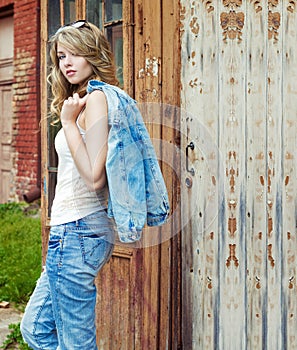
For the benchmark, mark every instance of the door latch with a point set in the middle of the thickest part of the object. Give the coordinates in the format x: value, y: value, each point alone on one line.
x: 191, y: 146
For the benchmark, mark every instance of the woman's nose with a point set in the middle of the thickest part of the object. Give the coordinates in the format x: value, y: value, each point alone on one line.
x: 68, y: 61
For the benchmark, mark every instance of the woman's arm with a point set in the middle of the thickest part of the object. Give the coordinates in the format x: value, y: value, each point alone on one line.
x: 89, y: 156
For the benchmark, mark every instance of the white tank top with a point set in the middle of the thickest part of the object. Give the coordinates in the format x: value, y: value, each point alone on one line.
x: 73, y: 200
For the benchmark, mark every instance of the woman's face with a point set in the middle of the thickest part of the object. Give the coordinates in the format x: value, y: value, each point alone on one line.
x: 76, y: 69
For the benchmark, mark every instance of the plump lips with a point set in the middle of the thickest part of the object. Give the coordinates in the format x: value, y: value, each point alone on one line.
x: 70, y: 72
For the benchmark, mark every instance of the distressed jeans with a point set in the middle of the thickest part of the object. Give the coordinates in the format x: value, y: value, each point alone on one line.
x: 61, y: 311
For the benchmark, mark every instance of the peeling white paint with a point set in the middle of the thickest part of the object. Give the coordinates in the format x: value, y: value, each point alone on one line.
x: 247, y: 253
x: 151, y: 68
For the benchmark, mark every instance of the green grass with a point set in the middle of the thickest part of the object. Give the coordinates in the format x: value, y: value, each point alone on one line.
x: 15, y: 337
x: 20, y: 260
x: 20, y: 252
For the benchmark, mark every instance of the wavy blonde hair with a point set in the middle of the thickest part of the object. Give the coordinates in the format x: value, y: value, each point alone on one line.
x: 89, y: 42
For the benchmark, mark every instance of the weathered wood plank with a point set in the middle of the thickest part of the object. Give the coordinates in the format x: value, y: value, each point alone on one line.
x: 170, y: 259
x: 256, y: 128
x: 116, y: 319
x: 200, y: 97
x: 44, y: 131
x: 147, y: 89
x: 274, y: 126
x: 289, y: 177
x: 256, y: 220
x: 232, y: 193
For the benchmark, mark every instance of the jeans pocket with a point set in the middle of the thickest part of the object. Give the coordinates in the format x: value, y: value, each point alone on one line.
x: 96, y: 250
x: 55, y: 238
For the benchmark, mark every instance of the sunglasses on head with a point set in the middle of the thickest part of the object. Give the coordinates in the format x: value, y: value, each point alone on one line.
x: 77, y: 24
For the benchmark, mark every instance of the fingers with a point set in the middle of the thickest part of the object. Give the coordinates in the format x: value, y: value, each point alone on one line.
x: 76, y: 100
x: 70, y: 100
x: 83, y: 100
x: 76, y: 97
x: 73, y: 99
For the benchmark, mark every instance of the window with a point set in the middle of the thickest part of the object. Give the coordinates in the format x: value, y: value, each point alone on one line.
x: 69, y: 13
x: 108, y: 16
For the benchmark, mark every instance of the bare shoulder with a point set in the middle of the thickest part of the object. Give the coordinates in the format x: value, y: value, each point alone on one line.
x: 96, y: 106
x: 96, y: 97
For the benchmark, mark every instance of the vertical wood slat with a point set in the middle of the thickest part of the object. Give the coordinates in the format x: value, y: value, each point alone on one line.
x: 128, y: 47
x: 289, y: 282
x: 43, y: 127
x: 80, y: 9
x: 188, y: 307
x: 199, y: 203
x: 256, y: 221
x: 156, y: 83
x: 232, y: 264
x: 62, y: 12
x: 274, y: 175
x: 170, y: 288
x: 116, y: 297
x: 147, y: 89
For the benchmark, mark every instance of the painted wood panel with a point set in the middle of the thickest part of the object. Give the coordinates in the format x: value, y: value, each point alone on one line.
x: 288, y: 184
x: 276, y: 325
x: 6, y: 107
x: 238, y: 203
x: 200, y: 96
x: 6, y: 142
x: 255, y: 207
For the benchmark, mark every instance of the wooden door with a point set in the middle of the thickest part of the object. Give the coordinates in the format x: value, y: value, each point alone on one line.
x: 139, y: 289
x: 138, y: 299
x: 6, y: 76
x: 239, y: 62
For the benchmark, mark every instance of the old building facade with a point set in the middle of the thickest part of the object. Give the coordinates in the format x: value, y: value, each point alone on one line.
x: 20, y: 99
x: 216, y: 81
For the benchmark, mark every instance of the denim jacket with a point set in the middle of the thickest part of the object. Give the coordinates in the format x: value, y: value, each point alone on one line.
x: 137, y: 192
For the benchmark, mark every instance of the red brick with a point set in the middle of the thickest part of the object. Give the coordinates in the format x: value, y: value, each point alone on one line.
x: 25, y: 122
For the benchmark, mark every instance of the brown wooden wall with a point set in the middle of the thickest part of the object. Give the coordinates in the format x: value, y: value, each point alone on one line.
x: 139, y: 289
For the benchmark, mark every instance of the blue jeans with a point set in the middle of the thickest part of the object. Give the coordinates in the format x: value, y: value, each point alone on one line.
x: 61, y: 311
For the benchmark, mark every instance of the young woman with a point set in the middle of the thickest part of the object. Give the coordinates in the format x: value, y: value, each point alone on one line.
x: 103, y: 139
x: 61, y: 311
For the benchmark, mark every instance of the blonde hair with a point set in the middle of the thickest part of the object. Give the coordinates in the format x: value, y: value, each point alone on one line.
x: 89, y: 42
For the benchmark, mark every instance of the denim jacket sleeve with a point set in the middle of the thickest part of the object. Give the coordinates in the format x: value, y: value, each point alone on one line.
x: 137, y: 192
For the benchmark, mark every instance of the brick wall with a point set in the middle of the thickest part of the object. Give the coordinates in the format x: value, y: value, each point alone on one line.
x: 26, y: 103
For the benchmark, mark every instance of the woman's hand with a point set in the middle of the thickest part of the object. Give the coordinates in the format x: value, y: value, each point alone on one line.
x: 72, y: 107
x: 89, y: 154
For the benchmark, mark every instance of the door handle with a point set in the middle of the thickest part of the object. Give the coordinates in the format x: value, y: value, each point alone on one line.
x: 191, y: 146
